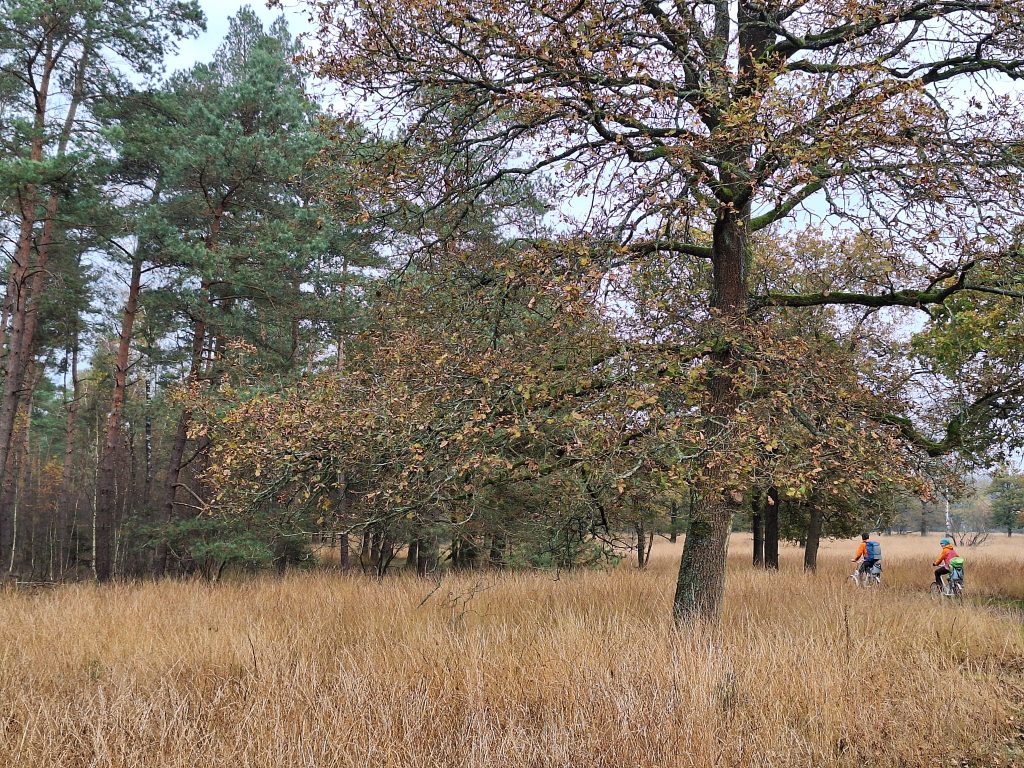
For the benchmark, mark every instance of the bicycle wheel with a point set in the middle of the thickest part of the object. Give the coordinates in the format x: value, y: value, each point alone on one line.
x: 958, y: 592
x: 935, y: 591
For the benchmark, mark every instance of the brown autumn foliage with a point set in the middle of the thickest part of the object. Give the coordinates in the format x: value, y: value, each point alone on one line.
x: 496, y: 416
x: 683, y: 129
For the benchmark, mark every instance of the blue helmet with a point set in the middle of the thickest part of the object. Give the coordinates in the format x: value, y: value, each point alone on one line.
x: 944, y: 542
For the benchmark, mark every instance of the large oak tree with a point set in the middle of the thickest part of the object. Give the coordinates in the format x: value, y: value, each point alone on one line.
x: 684, y: 128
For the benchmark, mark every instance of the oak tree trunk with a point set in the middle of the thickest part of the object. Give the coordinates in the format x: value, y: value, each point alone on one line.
x: 426, y: 562
x: 641, y: 545
x: 386, y: 553
x: 456, y: 554
x: 364, y: 549
x: 470, y: 553
x: 771, y: 529
x: 700, y: 586
x: 497, y: 553
x: 756, y: 524
x: 412, y: 555
x: 813, y: 537
x: 376, y: 536
x: 344, y: 555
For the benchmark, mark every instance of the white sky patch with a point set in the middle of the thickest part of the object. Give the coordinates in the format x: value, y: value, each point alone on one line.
x: 202, y: 48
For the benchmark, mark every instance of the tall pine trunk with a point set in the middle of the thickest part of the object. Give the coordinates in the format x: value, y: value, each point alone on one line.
x: 68, y: 493
x: 27, y: 282
x: 27, y: 274
x: 5, y: 317
x: 105, y: 496
x: 19, y: 284
x: 147, y: 487
x: 174, y: 462
x: 13, y: 488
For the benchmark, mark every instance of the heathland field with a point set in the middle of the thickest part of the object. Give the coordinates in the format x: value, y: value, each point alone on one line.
x: 532, y: 669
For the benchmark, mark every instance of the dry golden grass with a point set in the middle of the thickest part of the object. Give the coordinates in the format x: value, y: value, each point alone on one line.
x: 516, y: 670
x: 995, y: 569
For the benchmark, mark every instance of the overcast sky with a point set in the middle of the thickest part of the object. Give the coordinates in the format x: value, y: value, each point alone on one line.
x: 217, y: 14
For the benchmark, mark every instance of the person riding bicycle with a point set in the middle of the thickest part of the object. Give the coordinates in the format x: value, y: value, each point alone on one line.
x: 869, y: 553
x: 942, y: 561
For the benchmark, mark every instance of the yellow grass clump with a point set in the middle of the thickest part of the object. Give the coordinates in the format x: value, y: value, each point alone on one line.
x: 537, y: 669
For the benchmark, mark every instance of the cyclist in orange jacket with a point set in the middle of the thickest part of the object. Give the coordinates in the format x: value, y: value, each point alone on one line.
x: 869, y: 553
x: 942, y: 561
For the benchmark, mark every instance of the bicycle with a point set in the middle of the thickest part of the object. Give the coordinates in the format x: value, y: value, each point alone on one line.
x: 952, y: 587
x: 870, y: 578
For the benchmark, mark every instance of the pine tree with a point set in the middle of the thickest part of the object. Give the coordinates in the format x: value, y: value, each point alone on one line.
x: 57, y: 57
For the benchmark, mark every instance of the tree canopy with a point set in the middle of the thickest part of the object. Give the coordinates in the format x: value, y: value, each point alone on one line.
x: 688, y: 130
